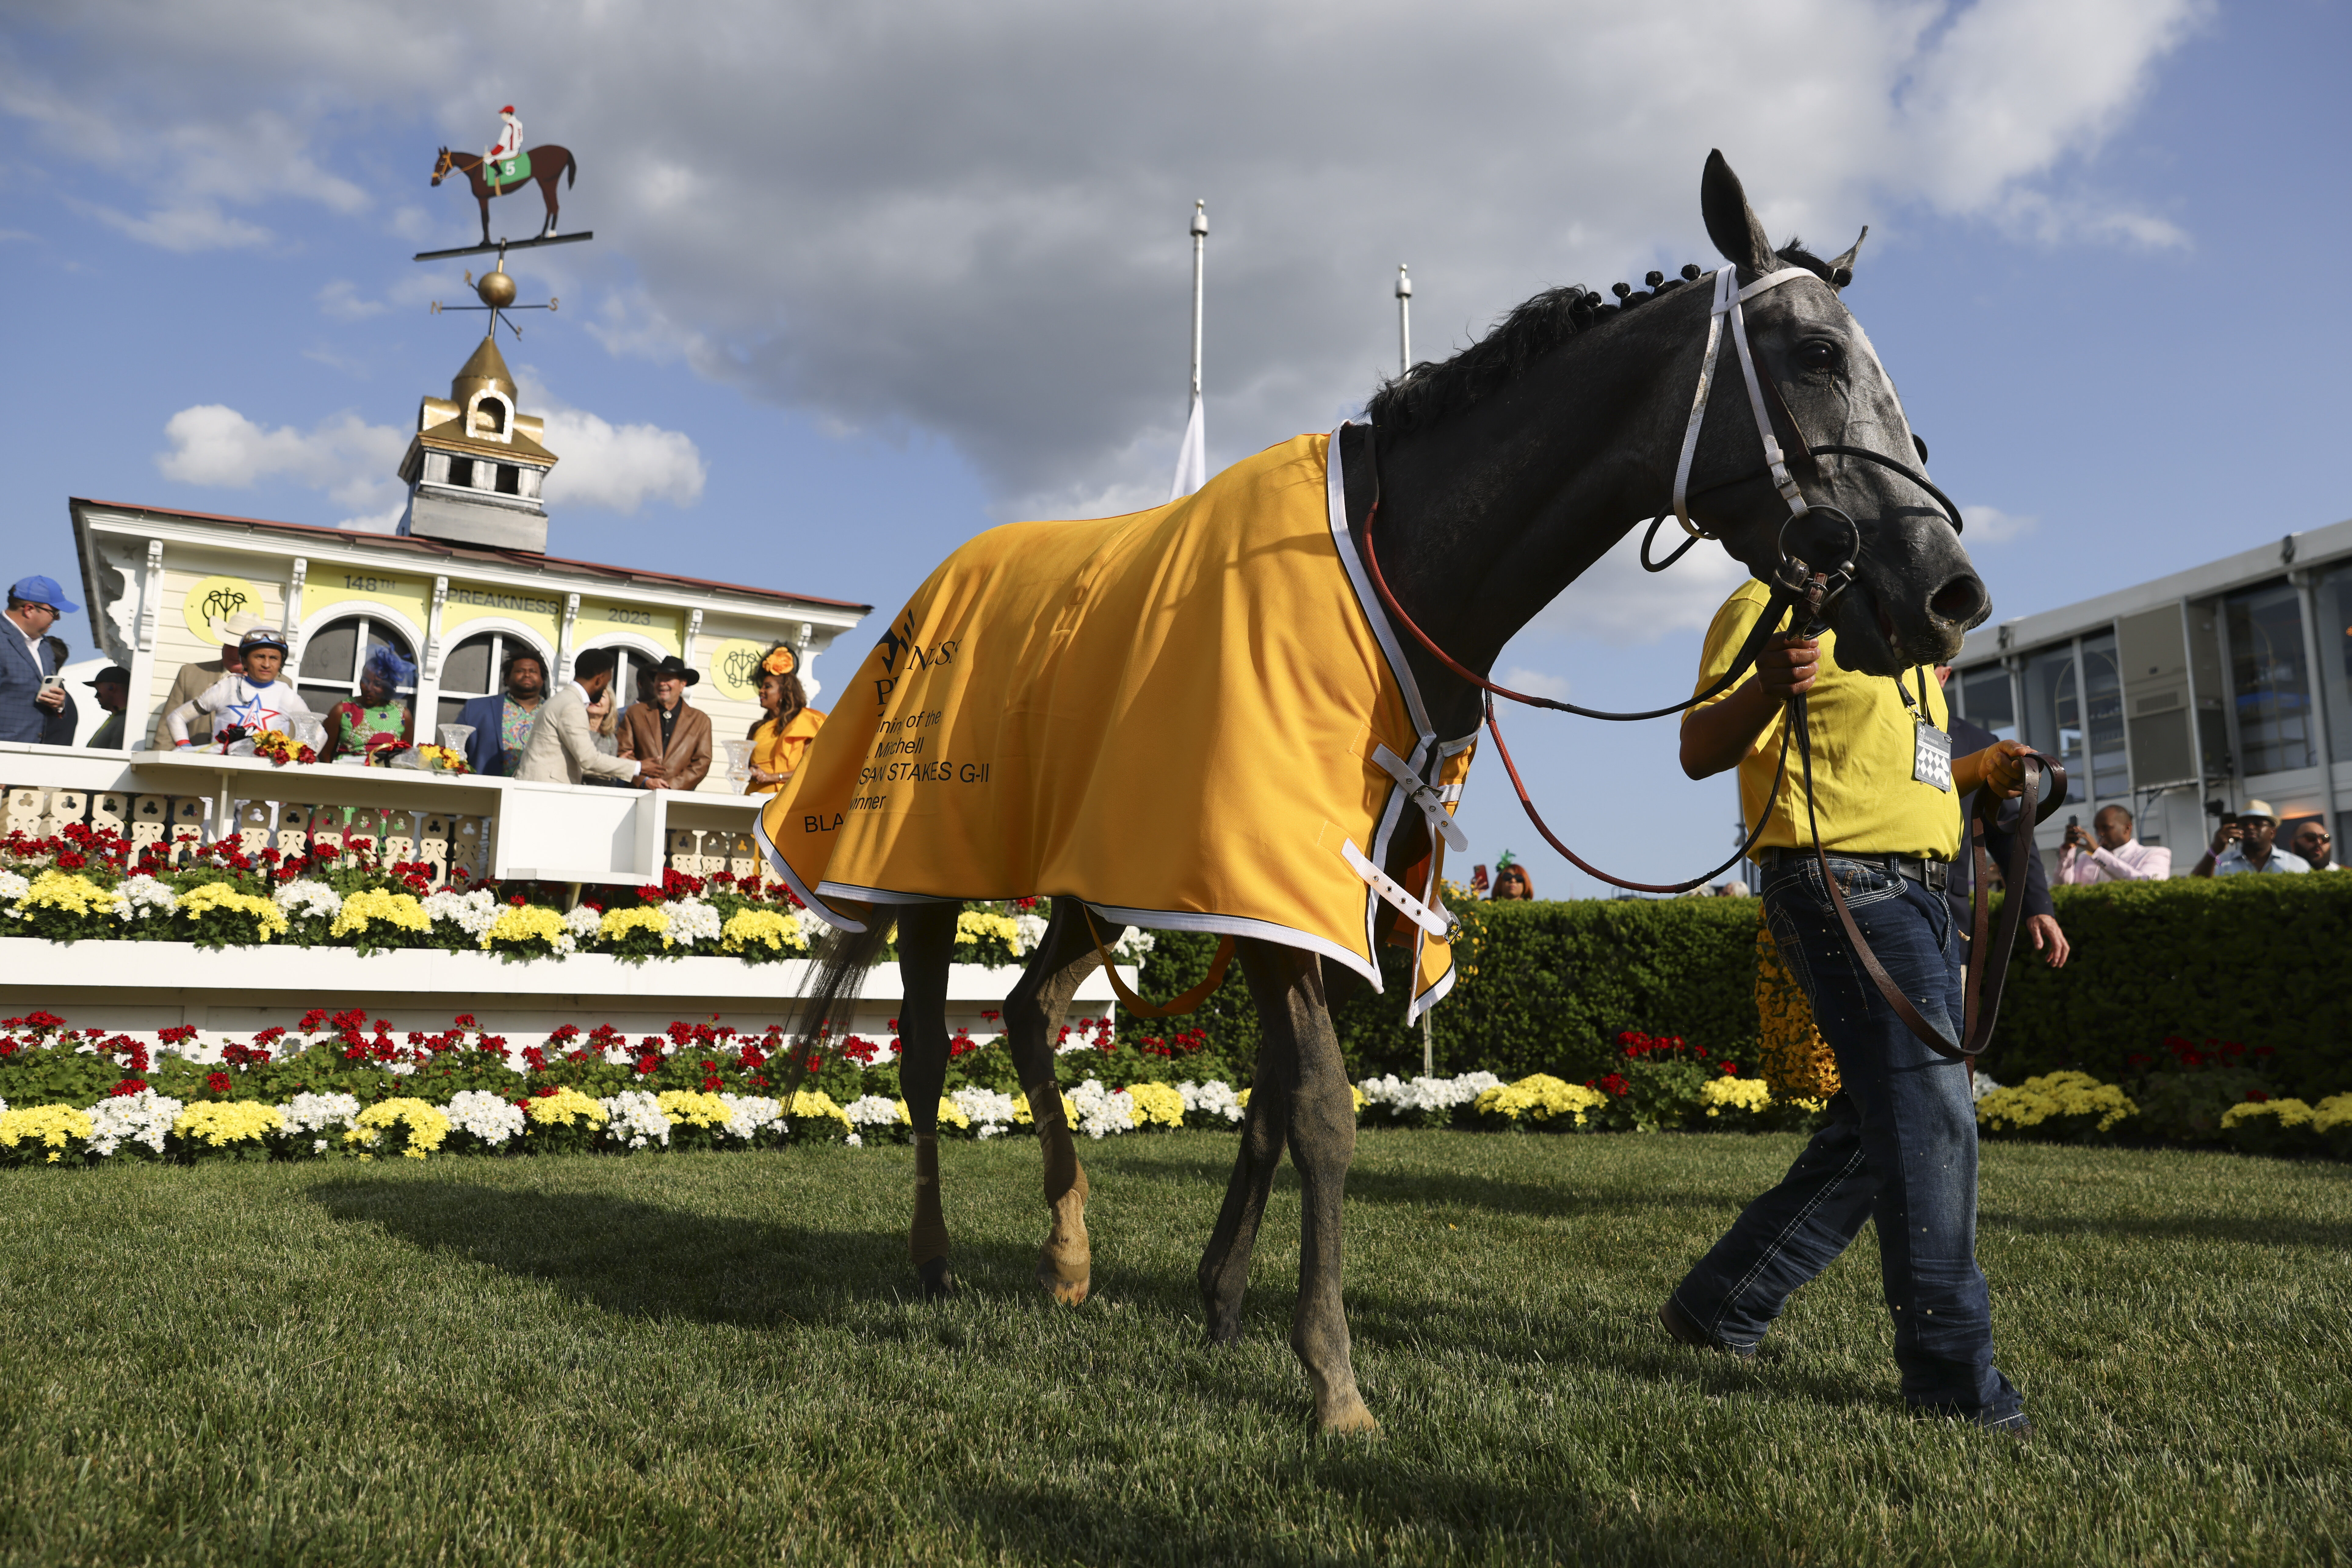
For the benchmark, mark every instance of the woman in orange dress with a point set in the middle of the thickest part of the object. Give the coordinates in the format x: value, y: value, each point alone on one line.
x: 781, y: 739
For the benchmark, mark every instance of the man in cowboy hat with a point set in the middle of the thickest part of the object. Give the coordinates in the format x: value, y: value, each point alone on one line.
x: 672, y: 740
x: 2249, y: 844
x: 194, y: 679
x: 32, y: 697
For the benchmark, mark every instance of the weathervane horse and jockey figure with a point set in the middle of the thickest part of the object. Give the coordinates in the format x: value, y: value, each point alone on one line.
x: 507, y: 166
x: 1204, y: 718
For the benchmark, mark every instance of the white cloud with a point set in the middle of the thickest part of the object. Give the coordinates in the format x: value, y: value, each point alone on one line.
x: 342, y: 300
x: 1990, y: 525
x: 618, y: 466
x: 1617, y: 601
x: 195, y: 227
x: 1534, y: 682
x: 212, y: 443
x: 970, y: 221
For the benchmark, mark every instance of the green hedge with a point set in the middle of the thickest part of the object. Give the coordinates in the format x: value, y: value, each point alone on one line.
x: 2259, y: 960
x: 2263, y: 959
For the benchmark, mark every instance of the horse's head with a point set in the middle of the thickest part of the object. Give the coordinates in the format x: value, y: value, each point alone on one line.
x: 1914, y: 593
x: 441, y: 165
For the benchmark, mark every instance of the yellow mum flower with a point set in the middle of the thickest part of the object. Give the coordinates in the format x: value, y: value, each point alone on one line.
x: 2290, y: 1113
x: 1751, y: 1095
x: 1021, y: 1117
x: 562, y: 1108
x: 2057, y: 1096
x: 690, y: 1108
x: 270, y: 920
x: 55, y: 890
x: 218, y: 1125
x: 1540, y: 1098
x: 420, y: 1127
x: 950, y: 1115
x: 400, y: 910
x: 2331, y: 1113
x: 810, y: 1104
x: 618, y: 923
x: 51, y: 1127
x: 1156, y: 1103
x: 775, y: 929
x: 527, y: 924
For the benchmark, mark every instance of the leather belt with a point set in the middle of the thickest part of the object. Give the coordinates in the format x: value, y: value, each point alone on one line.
x: 1925, y: 869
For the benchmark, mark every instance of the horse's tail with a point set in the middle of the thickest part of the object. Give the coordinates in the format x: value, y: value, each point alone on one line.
x: 837, y: 974
x: 571, y: 168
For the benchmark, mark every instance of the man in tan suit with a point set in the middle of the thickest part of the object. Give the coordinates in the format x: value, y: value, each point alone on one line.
x: 194, y: 679
x: 561, y: 749
x: 672, y: 738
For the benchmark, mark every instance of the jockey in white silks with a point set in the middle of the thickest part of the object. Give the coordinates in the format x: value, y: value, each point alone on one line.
x: 510, y: 143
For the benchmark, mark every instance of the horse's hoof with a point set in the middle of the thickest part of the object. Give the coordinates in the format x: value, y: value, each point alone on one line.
x: 937, y: 1283
x: 1069, y: 1292
x: 1347, y: 1418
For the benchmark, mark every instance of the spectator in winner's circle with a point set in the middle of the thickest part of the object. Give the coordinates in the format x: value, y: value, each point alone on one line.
x: 562, y: 748
x: 501, y: 722
x: 113, y: 686
x: 2315, y: 847
x: 781, y: 739
x: 2114, y: 856
x: 2040, y: 923
x: 670, y: 738
x: 2249, y: 844
x: 194, y: 679
x: 380, y: 714
x: 1898, y: 1146
x: 32, y: 693
x: 1511, y: 880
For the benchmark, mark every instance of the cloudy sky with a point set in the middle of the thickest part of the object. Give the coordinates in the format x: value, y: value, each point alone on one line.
x: 868, y: 278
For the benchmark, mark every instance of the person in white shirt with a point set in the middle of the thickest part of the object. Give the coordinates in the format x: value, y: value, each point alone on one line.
x: 242, y: 706
x: 2249, y: 845
x: 509, y: 136
x: 2114, y: 856
x: 563, y: 748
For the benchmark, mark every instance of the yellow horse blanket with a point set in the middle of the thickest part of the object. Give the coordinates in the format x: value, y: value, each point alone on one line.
x: 1195, y: 718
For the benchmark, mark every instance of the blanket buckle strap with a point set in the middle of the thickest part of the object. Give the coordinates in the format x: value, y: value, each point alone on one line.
x: 1439, y: 922
x: 1431, y: 799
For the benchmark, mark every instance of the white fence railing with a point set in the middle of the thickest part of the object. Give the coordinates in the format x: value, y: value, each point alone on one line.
x: 491, y: 828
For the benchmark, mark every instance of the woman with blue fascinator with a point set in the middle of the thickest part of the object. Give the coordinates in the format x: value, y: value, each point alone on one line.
x: 353, y: 727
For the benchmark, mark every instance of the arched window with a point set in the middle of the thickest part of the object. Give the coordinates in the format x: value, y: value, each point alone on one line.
x: 477, y: 667
x: 635, y: 662
x: 334, y: 653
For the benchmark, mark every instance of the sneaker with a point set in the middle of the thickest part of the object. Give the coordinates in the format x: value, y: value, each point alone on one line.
x: 1678, y: 1324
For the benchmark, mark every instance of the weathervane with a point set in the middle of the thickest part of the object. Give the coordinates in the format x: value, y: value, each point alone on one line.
x: 497, y: 292
x: 506, y: 167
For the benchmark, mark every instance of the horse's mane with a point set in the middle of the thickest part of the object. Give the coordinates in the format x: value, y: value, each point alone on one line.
x: 1434, y: 390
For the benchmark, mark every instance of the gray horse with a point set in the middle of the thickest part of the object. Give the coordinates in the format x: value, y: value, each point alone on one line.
x: 1503, y: 474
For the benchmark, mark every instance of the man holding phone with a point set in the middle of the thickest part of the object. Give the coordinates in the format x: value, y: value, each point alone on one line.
x: 2248, y: 841
x: 32, y: 692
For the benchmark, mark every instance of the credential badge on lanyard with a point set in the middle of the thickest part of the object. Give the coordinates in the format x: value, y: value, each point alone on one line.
x: 1931, y: 759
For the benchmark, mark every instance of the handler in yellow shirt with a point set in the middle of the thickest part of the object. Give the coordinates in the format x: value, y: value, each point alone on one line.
x: 1900, y: 1145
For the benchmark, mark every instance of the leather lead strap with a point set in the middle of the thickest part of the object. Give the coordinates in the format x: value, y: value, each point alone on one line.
x: 1175, y: 1006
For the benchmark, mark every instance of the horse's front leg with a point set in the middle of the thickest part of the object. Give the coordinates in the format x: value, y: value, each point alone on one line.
x: 1224, y: 1264
x: 926, y: 944
x: 1032, y: 1015
x: 1287, y: 986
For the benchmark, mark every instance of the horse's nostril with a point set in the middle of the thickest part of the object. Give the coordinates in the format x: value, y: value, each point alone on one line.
x: 1960, y: 599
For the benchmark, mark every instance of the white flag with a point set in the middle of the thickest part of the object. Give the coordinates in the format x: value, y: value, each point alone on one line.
x: 1192, y: 458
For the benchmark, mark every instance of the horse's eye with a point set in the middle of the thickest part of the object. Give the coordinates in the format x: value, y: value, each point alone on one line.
x: 1818, y: 354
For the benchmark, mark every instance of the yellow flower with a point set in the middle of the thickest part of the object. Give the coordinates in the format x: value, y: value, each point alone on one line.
x: 53, y: 1127
x: 689, y: 1108
x: 2054, y: 1096
x: 979, y: 925
x: 2290, y: 1113
x: 220, y: 1124
x: 1021, y: 1117
x: 1157, y: 1103
x: 950, y: 1115
x: 63, y: 890
x: 1749, y: 1094
x: 400, y: 910
x: 810, y: 1104
x: 775, y: 929
x: 2331, y: 1113
x: 1790, y: 1055
x: 1540, y: 1098
x: 526, y: 923
x: 270, y: 920
x: 619, y: 923
x: 420, y: 1127
x: 562, y: 1108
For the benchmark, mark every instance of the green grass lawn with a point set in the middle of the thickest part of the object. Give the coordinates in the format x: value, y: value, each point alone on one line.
x: 716, y: 1358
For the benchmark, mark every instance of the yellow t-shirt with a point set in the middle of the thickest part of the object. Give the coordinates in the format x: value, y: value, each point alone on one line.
x: 1864, y: 736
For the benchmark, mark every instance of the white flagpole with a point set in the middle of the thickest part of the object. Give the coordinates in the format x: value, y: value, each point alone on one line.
x: 1192, y: 458
x: 1404, y: 322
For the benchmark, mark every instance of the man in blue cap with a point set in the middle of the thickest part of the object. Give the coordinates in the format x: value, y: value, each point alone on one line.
x: 31, y: 688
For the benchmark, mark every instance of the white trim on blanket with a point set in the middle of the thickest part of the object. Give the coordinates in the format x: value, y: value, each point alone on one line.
x: 1235, y: 925
x: 809, y: 901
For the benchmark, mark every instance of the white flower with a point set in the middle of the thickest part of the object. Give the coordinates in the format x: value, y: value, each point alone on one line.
x: 12, y: 886
x: 137, y: 898
x: 872, y: 1111
x: 1424, y: 1096
x: 582, y: 922
x: 855, y: 1141
x: 1031, y: 927
x: 1102, y: 1110
x: 299, y: 898
x: 748, y: 1116
x: 472, y: 914
x: 320, y: 1114
x: 991, y: 1113
x: 487, y: 1116
x: 142, y: 1118
x: 1133, y: 945
x: 691, y: 921
x: 1212, y: 1098
x: 636, y: 1116
x: 1982, y: 1085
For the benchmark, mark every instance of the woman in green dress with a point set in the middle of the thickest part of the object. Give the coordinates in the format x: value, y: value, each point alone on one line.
x: 379, y: 710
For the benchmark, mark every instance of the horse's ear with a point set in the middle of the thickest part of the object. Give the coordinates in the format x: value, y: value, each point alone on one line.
x: 1842, y: 269
x: 1731, y: 223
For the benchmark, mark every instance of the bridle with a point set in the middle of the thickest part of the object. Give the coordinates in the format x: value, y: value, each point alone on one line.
x: 1796, y: 586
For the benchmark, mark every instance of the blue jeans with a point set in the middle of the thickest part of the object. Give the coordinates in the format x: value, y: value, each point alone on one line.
x: 1900, y: 1148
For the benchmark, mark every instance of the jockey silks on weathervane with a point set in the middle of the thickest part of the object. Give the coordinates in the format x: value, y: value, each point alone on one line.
x: 507, y: 166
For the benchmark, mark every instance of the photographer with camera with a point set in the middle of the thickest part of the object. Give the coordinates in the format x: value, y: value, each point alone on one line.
x: 2114, y: 855
x: 2248, y: 841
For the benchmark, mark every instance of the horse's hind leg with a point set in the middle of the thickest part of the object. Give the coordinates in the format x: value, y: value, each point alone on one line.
x: 1031, y: 1014
x: 1224, y: 1265
x: 1321, y: 1112
x: 547, y: 190
x: 926, y: 943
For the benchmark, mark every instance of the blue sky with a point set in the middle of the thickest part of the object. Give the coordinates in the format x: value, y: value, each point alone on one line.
x: 860, y: 290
